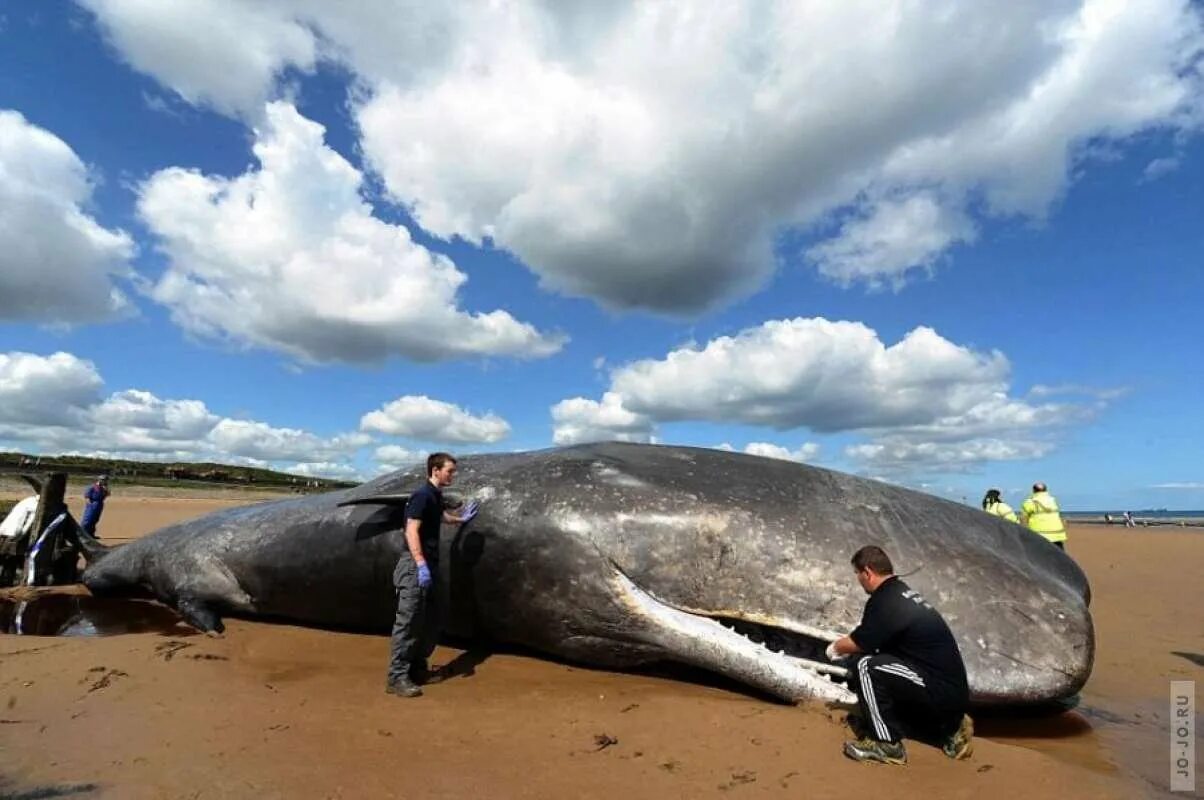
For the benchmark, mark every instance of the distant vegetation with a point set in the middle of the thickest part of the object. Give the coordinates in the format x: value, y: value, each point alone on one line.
x: 177, y: 474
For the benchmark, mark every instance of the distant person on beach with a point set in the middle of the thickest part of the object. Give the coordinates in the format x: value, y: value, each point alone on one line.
x: 1042, y: 516
x: 993, y: 504
x: 907, y: 672
x: 1129, y: 523
x: 95, y: 496
x: 416, y: 623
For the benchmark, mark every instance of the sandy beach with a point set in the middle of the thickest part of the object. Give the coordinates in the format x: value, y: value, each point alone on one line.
x: 275, y: 710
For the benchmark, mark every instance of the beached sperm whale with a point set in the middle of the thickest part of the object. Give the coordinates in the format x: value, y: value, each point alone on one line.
x: 621, y: 554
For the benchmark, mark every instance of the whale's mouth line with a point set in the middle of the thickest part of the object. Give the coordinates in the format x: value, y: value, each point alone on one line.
x: 805, y: 648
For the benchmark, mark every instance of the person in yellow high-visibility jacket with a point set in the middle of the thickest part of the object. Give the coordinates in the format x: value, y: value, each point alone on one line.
x: 993, y: 504
x: 1042, y: 516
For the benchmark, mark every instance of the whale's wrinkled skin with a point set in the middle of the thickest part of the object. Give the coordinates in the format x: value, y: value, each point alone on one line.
x: 618, y: 555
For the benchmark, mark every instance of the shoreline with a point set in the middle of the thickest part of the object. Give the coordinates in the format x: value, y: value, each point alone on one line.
x: 13, y: 488
x: 1185, y: 521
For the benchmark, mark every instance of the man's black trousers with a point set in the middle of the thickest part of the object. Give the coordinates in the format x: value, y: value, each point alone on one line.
x: 896, y: 701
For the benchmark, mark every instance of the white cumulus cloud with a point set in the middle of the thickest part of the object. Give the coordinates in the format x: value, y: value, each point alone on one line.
x: 57, y: 263
x: 260, y: 440
x: 245, y: 43
x: 924, y: 403
x: 53, y: 404
x: 1100, y: 393
x: 325, y: 469
x: 45, y: 390
x: 825, y: 375
x: 421, y: 417
x: 578, y: 420
x: 1160, y: 167
x: 289, y: 257
x: 892, y: 455
x: 892, y: 238
x: 806, y: 452
x: 393, y: 457
x: 138, y: 421
x: 646, y: 155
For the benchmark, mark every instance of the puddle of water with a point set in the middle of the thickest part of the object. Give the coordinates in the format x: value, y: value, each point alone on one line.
x: 1136, y: 733
x: 82, y: 615
x: 1069, y: 735
x: 1126, y: 737
x: 1066, y: 725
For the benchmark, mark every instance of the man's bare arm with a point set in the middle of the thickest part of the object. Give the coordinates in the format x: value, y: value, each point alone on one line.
x: 845, y: 646
x: 413, y: 542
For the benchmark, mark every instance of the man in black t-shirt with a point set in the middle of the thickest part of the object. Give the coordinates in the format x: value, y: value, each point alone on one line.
x: 908, y: 673
x: 416, y: 624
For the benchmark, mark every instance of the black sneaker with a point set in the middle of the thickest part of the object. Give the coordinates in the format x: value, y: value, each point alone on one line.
x: 873, y: 750
x: 960, y: 745
x: 403, y: 687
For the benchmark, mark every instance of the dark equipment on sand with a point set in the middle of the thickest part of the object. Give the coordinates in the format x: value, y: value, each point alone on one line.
x: 48, y: 554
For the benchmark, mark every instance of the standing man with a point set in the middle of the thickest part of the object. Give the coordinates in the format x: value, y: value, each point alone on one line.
x: 993, y: 504
x: 1042, y: 516
x: 415, y: 627
x: 909, y: 677
x: 95, y: 496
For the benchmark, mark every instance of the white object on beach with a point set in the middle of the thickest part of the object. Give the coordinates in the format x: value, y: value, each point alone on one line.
x: 20, y: 520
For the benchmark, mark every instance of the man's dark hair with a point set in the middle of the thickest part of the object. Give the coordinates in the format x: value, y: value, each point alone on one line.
x: 875, y: 558
x: 437, y: 461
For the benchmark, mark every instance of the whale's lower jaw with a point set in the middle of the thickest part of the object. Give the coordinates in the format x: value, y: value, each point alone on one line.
x: 704, y: 641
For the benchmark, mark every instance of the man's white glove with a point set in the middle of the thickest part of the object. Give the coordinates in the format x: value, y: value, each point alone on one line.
x: 832, y: 655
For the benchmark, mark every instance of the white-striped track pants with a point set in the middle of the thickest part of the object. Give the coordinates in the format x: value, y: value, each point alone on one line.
x: 895, y: 701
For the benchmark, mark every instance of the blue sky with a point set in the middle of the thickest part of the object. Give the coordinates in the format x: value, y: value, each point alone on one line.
x: 330, y: 241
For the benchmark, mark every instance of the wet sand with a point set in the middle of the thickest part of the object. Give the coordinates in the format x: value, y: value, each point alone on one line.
x: 283, y: 711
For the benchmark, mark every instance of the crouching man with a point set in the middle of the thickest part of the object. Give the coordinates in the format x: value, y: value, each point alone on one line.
x: 908, y: 672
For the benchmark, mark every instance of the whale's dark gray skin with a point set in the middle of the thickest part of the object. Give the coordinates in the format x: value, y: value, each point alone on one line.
x: 621, y: 554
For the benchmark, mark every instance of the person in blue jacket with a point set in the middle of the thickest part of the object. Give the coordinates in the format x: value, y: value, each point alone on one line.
x: 95, y: 496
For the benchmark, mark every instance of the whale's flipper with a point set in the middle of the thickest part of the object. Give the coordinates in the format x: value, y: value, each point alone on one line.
x: 200, y: 615
x: 379, y: 500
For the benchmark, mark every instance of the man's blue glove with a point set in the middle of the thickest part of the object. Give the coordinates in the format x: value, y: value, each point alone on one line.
x: 424, y: 576
x: 469, y: 511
